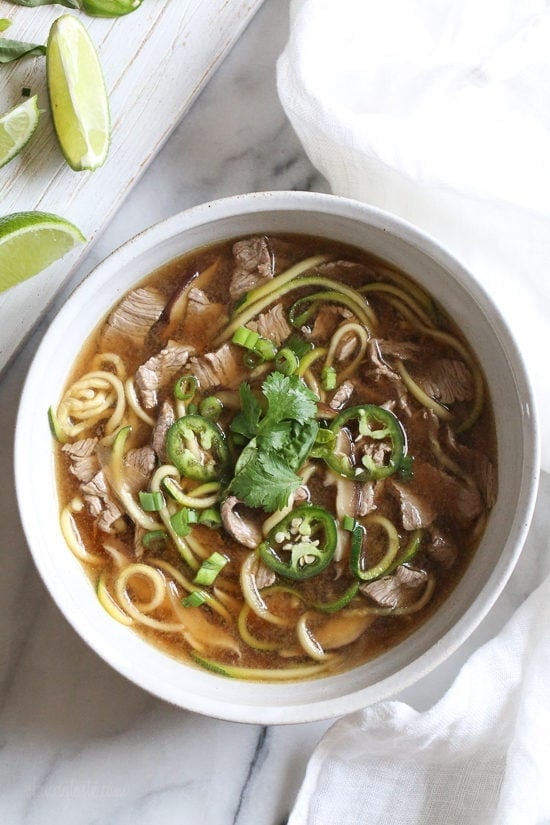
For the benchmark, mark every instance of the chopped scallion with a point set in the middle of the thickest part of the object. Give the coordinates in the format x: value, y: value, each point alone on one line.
x: 287, y: 361
x: 328, y: 378
x: 194, y: 599
x: 182, y: 520
x: 210, y: 517
x: 153, y: 538
x: 349, y: 523
x: 210, y: 568
x: 266, y: 348
x: 151, y: 501
x: 245, y: 337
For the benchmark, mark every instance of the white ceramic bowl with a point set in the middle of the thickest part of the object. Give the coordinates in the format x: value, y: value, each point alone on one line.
x: 401, y: 245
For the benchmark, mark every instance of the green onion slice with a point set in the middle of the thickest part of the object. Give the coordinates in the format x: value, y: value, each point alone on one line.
x: 210, y: 568
x: 151, y: 502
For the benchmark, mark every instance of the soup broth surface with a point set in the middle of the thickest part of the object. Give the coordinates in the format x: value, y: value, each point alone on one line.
x: 276, y: 457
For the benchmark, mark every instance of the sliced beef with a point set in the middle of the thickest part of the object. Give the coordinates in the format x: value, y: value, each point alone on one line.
x: 433, y: 491
x: 328, y: 319
x: 158, y: 371
x: 404, y: 350
x: 341, y: 396
x: 476, y: 464
x: 398, y: 590
x: 139, y: 463
x: 448, y: 380
x: 220, y: 368
x: 164, y: 421
x: 366, y: 497
x: 240, y: 525
x: 417, y: 509
x: 84, y: 463
x: 272, y: 324
x: 101, y: 502
x: 201, y: 315
x: 442, y: 547
x: 263, y: 575
x: 350, y: 270
x: 133, y: 317
x: 253, y: 265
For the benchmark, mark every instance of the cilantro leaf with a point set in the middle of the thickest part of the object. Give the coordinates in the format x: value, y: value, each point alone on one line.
x: 265, y: 481
x: 288, y: 398
x: 291, y: 440
x: 247, y: 420
x: 280, y: 440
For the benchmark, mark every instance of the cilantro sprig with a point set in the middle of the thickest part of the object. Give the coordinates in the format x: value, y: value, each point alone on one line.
x: 280, y: 432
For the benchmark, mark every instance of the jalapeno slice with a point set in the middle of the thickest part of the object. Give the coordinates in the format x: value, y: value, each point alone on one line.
x: 368, y: 424
x: 302, y: 544
x: 197, y: 448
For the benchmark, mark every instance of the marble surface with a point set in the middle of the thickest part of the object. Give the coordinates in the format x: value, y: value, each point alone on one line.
x: 80, y: 744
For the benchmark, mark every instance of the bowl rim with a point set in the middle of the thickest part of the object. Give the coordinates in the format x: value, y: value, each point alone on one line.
x: 334, y: 205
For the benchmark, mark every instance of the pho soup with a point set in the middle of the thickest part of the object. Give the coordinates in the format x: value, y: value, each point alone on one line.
x: 276, y: 457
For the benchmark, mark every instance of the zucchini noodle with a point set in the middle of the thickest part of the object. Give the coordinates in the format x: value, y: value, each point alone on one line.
x: 246, y: 635
x: 392, y: 548
x: 309, y: 358
x: 273, y: 285
x: 103, y: 358
x: 308, y: 641
x: 343, y: 331
x: 252, y: 595
x: 90, y: 400
x: 261, y: 674
x: 399, y: 293
x: 158, y: 583
x: 187, y: 585
x: 133, y: 402
x: 201, y: 633
x: 338, y: 292
x: 408, y: 286
x: 454, y: 343
x: 72, y: 536
x: 109, y: 603
x: 116, y: 478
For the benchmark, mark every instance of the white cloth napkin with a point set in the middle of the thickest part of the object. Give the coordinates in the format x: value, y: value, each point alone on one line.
x: 439, y: 112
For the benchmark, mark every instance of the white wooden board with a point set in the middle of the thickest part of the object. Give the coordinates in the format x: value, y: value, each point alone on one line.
x: 155, y: 61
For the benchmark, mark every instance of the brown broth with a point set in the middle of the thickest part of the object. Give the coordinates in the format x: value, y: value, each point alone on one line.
x: 461, y: 467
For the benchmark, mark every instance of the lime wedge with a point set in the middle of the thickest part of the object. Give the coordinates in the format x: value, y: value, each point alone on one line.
x: 31, y: 241
x: 16, y: 128
x: 78, y: 98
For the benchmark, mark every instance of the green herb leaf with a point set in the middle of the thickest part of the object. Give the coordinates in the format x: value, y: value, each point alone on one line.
x: 288, y: 398
x: 4, y: 24
x: 265, y: 481
x: 16, y: 49
x: 247, y: 420
x: 280, y: 441
x: 292, y: 440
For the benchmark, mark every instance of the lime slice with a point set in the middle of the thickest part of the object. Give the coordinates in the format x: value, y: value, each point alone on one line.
x: 31, y: 241
x: 78, y: 98
x: 16, y: 128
